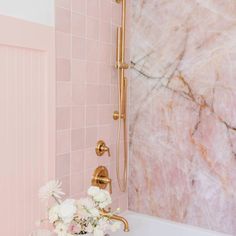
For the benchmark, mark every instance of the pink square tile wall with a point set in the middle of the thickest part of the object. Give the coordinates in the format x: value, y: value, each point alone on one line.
x: 86, y: 91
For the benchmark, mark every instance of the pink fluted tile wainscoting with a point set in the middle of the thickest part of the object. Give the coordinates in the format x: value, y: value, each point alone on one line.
x: 27, y: 91
x: 183, y: 112
x: 86, y: 91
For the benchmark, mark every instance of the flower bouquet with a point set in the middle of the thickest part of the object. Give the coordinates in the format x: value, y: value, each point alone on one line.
x: 78, y: 217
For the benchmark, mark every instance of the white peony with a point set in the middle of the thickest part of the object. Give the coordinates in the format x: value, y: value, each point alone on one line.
x: 61, y: 229
x: 53, y: 213
x: 67, y: 210
x: 103, y: 198
x: 98, y: 232
x: 86, y: 202
x: 93, y: 191
x: 51, y: 189
x: 100, y: 197
x: 94, y: 212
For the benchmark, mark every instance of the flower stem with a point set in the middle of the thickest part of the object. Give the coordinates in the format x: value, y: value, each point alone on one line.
x: 57, y: 200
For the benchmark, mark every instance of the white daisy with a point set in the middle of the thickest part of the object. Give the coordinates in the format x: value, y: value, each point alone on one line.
x: 51, y: 189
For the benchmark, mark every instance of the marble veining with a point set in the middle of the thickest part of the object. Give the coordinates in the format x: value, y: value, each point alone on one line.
x: 183, y: 111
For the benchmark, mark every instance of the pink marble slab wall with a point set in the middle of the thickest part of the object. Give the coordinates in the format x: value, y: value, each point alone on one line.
x: 86, y: 91
x: 183, y: 112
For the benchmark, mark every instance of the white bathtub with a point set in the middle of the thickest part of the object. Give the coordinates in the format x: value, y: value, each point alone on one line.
x: 142, y: 225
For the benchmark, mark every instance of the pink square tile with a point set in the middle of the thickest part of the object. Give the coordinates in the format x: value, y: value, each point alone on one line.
x: 92, y: 28
x: 78, y: 117
x: 92, y: 50
x: 63, y: 69
x: 63, y: 118
x: 63, y: 94
x: 77, y: 161
x: 114, y: 75
x: 77, y: 139
x: 105, y: 113
x: 78, y: 22
x: 113, y: 35
x: 78, y: 94
x: 105, y: 32
x: 106, y: 10
x: 116, y: 14
x: 65, y: 185
x: 88, y: 177
x: 92, y: 94
x: 105, y: 74
x: 63, y: 3
x: 105, y: 160
x: 104, y: 94
x: 114, y: 94
x: 78, y: 71
x: 105, y: 51
x: 91, y: 159
x: 63, y: 45
x: 63, y: 142
x: 93, y: 8
x: 76, y: 183
x: 62, y: 165
x: 78, y: 48
x: 79, y: 6
x: 105, y: 133
x: 91, y: 115
x: 92, y: 72
x: 91, y: 137
x: 63, y: 20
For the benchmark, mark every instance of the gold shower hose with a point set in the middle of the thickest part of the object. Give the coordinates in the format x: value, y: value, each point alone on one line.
x: 122, y: 99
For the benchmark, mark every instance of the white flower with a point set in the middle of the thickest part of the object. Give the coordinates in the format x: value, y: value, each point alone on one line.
x: 67, y: 210
x: 53, y: 213
x: 86, y: 202
x: 86, y: 208
x: 61, y: 229
x: 93, y: 191
x: 51, y: 189
x: 98, y: 232
x: 100, y: 197
x: 103, y: 198
x: 103, y: 224
x: 94, y: 212
x: 115, y: 226
x: 89, y: 228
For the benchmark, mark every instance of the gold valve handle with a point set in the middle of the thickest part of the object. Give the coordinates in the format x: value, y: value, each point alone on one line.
x: 101, y: 178
x: 101, y: 148
x: 107, y: 181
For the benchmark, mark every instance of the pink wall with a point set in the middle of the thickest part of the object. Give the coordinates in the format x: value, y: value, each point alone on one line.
x: 86, y: 91
x: 27, y: 134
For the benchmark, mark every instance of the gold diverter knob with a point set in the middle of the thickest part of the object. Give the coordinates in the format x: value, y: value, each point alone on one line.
x: 101, y: 148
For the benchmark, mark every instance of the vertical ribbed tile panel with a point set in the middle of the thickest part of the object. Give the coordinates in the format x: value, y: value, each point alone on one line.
x: 25, y: 134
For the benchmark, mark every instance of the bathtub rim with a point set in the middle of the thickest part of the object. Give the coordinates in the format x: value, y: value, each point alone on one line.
x: 131, y: 213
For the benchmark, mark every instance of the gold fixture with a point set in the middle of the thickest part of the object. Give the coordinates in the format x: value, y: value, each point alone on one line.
x: 116, y: 217
x: 101, y: 148
x: 119, y: 115
x: 101, y: 178
x: 116, y: 115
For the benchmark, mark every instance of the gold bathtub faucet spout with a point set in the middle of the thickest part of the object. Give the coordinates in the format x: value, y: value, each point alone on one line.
x: 116, y: 217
